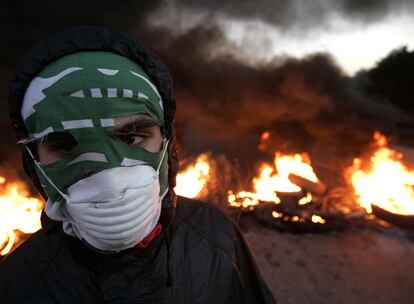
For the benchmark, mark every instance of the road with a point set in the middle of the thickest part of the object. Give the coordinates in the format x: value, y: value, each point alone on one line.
x: 356, y: 266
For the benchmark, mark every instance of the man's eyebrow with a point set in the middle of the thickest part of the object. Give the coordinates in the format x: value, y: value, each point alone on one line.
x: 138, y: 123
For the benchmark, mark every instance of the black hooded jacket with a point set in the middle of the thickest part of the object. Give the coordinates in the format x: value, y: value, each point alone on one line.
x: 200, y: 257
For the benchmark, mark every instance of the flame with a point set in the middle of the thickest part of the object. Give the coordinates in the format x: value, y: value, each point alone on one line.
x: 306, y: 199
x: 263, y: 141
x: 298, y: 164
x: 192, y: 180
x: 263, y: 191
x: 270, y: 180
x: 18, y: 212
x: 385, y: 182
x: 317, y: 219
x: 265, y: 136
x: 294, y: 218
x: 276, y: 214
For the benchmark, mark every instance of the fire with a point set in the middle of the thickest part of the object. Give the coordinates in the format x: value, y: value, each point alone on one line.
x: 276, y: 214
x: 192, y: 180
x: 263, y: 191
x: 265, y: 136
x: 263, y: 140
x: 274, y: 179
x: 385, y: 181
x: 298, y: 164
x: 317, y: 219
x: 18, y: 213
x: 306, y: 199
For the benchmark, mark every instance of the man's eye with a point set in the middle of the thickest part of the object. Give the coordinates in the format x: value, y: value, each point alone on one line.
x: 133, y: 139
x: 129, y: 128
x: 66, y: 148
x: 130, y: 138
x: 60, y: 142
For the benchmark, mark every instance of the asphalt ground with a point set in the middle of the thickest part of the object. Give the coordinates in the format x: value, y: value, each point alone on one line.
x: 358, y: 265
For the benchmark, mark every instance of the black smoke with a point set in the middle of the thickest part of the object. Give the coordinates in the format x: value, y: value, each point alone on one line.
x: 302, y: 14
x: 224, y: 104
x: 23, y: 23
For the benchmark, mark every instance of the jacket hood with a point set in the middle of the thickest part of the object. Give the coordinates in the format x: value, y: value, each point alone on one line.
x: 93, y: 38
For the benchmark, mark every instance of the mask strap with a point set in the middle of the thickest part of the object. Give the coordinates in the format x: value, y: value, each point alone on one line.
x: 44, y: 174
x: 165, y: 143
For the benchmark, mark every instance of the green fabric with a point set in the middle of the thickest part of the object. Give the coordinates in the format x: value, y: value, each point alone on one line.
x: 79, y: 94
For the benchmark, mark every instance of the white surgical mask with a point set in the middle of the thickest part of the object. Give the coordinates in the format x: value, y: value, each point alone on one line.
x: 112, y: 210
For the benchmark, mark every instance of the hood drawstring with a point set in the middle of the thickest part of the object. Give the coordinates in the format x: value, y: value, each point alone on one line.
x: 167, y: 218
x: 169, y: 282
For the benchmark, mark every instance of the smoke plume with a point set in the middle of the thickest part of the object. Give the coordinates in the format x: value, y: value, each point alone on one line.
x: 224, y: 103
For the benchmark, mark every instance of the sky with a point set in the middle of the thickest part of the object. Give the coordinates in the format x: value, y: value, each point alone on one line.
x: 357, y: 34
x: 353, y: 47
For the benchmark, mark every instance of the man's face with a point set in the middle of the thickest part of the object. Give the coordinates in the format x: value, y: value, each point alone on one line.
x: 138, y: 130
x: 93, y: 111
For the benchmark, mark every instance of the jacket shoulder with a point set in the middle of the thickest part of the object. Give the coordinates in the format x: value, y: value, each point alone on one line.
x: 208, y: 222
x: 22, y: 269
x: 226, y: 257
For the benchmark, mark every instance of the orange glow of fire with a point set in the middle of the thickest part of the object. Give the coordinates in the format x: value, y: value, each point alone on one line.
x: 270, y: 180
x: 306, y: 199
x: 192, y: 180
x: 315, y: 218
x: 385, y: 182
x: 298, y: 164
x: 263, y: 191
x: 265, y: 135
x: 276, y: 214
x: 18, y: 213
x: 318, y: 219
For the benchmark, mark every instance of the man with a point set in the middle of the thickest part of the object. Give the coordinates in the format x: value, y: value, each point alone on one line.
x: 94, y: 112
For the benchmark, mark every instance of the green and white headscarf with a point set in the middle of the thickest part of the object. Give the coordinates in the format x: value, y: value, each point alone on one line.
x: 82, y: 94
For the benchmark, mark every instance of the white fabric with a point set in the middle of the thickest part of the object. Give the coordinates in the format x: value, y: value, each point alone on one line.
x: 89, y: 156
x: 142, y: 96
x: 109, y: 72
x: 39, y: 135
x: 78, y: 94
x: 34, y: 93
x: 77, y: 124
x: 152, y: 86
x: 96, y: 93
x: 107, y: 122
x: 112, y: 92
x: 128, y: 93
x: 129, y: 162
x: 112, y: 210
